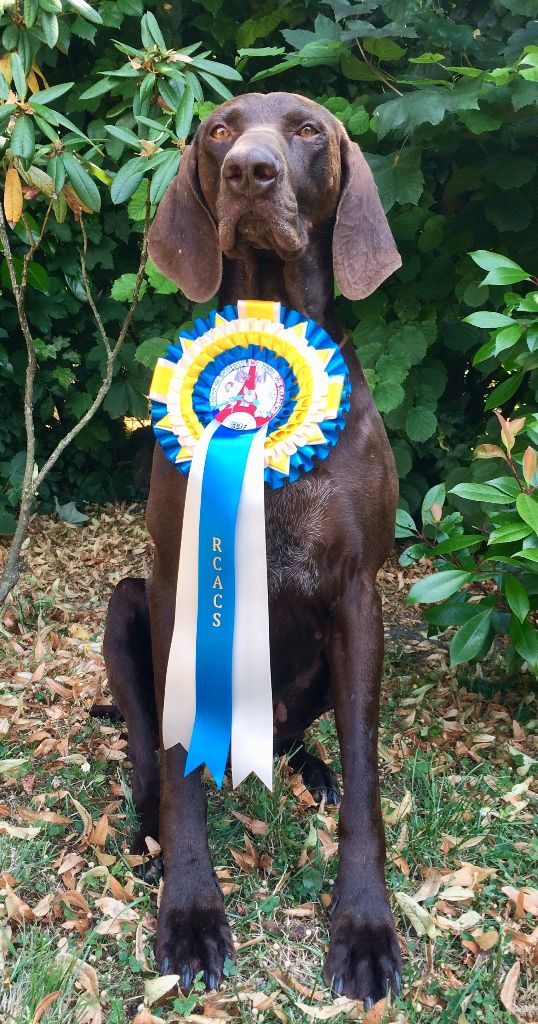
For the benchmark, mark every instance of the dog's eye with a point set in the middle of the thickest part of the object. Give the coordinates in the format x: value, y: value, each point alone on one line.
x: 307, y: 131
x: 220, y: 132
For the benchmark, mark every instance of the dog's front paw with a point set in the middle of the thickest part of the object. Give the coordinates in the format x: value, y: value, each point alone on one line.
x: 194, y: 935
x: 364, y: 959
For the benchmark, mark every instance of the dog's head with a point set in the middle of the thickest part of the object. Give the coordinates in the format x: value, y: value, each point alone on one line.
x: 265, y: 172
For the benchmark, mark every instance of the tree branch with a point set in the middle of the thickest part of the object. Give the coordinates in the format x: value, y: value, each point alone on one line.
x: 32, y: 482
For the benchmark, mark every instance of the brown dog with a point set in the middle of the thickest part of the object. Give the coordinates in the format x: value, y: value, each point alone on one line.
x: 272, y: 198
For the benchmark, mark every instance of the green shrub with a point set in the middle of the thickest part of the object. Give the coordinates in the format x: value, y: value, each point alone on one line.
x: 444, y: 106
x: 486, y: 578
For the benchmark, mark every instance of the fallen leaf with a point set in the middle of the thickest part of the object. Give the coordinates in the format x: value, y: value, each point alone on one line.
x: 486, y: 940
x: 156, y: 988
x: 422, y: 921
x: 509, y: 986
x: 430, y: 886
x: 43, y: 1005
x: 17, y: 910
x: 529, y: 898
x: 254, y: 825
x: 19, y: 832
x: 335, y: 1009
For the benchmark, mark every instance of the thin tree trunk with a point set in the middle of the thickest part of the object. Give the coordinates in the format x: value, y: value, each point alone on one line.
x: 33, y: 478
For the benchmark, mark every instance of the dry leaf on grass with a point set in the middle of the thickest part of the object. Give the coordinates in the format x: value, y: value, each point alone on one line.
x: 529, y: 898
x: 422, y: 921
x: 509, y: 986
x: 146, y: 1017
x: 19, y: 832
x: 43, y: 1005
x: 254, y: 825
x: 156, y: 988
x: 17, y: 910
x: 430, y: 886
x: 335, y: 1009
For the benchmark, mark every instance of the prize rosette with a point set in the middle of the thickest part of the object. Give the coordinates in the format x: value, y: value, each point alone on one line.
x: 255, y: 393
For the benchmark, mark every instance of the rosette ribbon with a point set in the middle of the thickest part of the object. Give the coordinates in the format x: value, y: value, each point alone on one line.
x: 254, y: 394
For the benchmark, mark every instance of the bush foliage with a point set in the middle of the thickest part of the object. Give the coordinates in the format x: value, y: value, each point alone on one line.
x: 96, y: 102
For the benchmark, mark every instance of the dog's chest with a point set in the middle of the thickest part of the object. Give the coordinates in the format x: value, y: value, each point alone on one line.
x: 294, y: 517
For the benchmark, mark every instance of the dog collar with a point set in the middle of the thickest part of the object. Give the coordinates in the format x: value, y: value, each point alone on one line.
x: 254, y: 393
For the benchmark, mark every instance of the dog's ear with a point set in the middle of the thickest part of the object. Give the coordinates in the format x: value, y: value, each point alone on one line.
x: 364, y: 251
x: 183, y: 240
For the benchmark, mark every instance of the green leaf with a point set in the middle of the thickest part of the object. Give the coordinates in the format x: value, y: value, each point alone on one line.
x: 359, y: 122
x: 411, y: 110
x: 481, y: 492
x: 509, y: 533
x: 19, y: 78
x: 438, y: 586
x: 487, y: 320
x: 151, y: 32
x: 164, y: 175
x: 82, y: 182
x: 30, y: 9
x: 136, y: 208
x: 86, y: 11
x: 493, y: 260
x: 434, y: 496
x: 477, y: 121
x: 218, y: 87
x: 184, y: 113
x: 23, y: 138
x: 48, y: 95
x: 525, y: 640
x: 427, y: 58
x: 470, y: 638
x: 388, y: 396
x: 505, y: 275
x: 531, y: 554
x: 49, y: 24
x: 124, y: 286
x: 459, y: 543
x: 99, y: 89
x: 150, y: 350
x: 504, y: 391
x: 507, y: 337
x: 127, y: 180
x: 158, y: 281
x: 485, y: 351
x: 420, y: 423
x: 516, y: 597
x: 528, y: 510
x: 214, y: 68
x: 124, y: 134
x: 405, y: 525
x: 56, y: 170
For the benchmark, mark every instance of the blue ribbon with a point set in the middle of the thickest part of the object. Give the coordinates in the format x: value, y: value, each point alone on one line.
x: 224, y: 470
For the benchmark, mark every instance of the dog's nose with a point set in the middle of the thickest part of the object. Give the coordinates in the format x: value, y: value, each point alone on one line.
x: 253, y: 170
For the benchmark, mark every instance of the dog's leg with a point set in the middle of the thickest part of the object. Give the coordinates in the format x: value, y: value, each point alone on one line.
x: 127, y: 651
x: 192, y: 930
x: 364, y: 957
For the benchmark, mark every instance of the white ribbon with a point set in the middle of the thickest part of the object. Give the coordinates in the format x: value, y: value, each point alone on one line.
x: 252, y: 705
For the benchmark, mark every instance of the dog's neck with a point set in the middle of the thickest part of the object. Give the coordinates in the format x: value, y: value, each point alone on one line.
x: 304, y: 284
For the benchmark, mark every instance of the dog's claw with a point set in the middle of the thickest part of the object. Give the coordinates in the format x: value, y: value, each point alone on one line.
x: 332, y: 797
x: 186, y: 977
x: 397, y: 983
x: 166, y: 965
x: 338, y: 986
x: 212, y: 981
x: 368, y: 1003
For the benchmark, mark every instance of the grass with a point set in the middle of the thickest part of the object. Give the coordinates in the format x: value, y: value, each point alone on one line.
x: 456, y: 759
